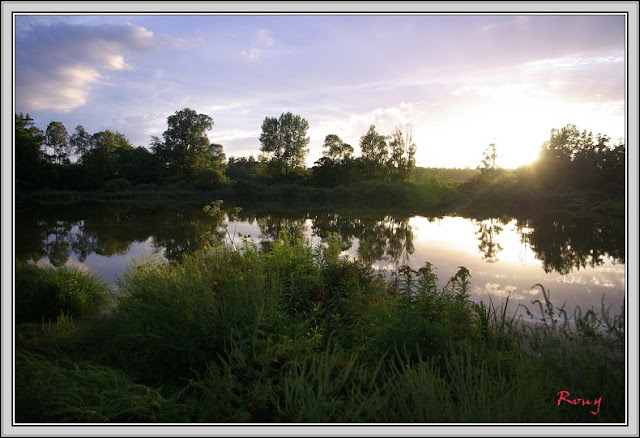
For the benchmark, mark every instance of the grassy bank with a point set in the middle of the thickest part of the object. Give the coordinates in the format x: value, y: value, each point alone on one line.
x: 298, y: 334
x: 423, y: 195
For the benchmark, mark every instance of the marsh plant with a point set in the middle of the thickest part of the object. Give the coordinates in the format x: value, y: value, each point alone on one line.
x: 297, y: 333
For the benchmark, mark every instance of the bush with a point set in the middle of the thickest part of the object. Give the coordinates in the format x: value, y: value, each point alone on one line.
x: 209, y: 179
x: 118, y: 185
x: 146, y: 187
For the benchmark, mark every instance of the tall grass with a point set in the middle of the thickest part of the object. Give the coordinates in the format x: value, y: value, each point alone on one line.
x: 46, y: 293
x: 298, y: 334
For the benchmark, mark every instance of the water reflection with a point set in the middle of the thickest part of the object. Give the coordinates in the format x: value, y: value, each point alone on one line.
x: 565, y: 246
x: 487, y: 235
x: 386, y: 238
x: 58, y: 233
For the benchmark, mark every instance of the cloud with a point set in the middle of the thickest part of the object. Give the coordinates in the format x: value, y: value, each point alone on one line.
x: 500, y: 291
x: 59, y: 65
x: 252, y: 53
x: 385, y: 119
x: 230, y: 135
x: 263, y: 40
x: 515, y: 21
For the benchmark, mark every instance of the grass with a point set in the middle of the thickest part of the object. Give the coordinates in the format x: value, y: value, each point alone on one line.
x: 46, y: 293
x: 297, y: 334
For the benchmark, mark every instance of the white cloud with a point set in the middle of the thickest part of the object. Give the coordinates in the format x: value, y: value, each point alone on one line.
x: 264, y: 38
x: 59, y: 65
x: 516, y: 21
x: 262, y: 41
x: 61, y: 89
x: 229, y: 135
x: 252, y: 53
x: 385, y: 120
x: 504, y: 291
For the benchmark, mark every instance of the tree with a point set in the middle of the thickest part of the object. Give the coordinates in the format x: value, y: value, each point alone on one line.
x: 29, y: 160
x: 57, y: 140
x: 284, y: 142
x: 374, y: 153
x: 105, y: 160
x: 402, y: 152
x: 336, y: 149
x: 241, y: 169
x: 136, y: 165
x: 186, y: 149
x: 488, y: 167
x: 81, y: 141
x: 578, y: 159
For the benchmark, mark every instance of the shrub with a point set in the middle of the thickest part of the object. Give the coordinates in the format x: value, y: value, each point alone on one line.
x: 209, y: 179
x: 118, y: 185
x: 146, y: 187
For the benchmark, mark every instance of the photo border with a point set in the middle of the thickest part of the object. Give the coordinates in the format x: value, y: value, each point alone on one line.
x: 10, y: 9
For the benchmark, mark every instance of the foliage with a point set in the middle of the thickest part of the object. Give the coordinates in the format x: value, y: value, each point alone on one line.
x: 295, y: 333
x: 488, y: 168
x: 241, y: 169
x: 209, y: 179
x: 375, y: 154
x: 57, y: 141
x: 402, y: 153
x: 118, y: 185
x: 71, y: 391
x: 185, y: 149
x: 336, y: 149
x: 106, y: 158
x: 29, y: 159
x: 284, y: 141
x: 47, y: 293
x: 449, y: 176
x: 580, y: 160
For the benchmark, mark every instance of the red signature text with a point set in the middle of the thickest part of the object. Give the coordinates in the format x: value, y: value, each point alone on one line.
x: 563, y: 396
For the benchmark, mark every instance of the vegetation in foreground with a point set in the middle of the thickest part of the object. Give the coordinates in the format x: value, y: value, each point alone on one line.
x: 297, y: 334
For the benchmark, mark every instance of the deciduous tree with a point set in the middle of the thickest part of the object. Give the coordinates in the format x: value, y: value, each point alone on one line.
x: 284, y: 142
x: 57, y: 141
x: 29, y: 160
x: 185, y: 149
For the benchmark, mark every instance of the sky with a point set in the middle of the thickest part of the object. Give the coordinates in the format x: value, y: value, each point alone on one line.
x: 462, y: 81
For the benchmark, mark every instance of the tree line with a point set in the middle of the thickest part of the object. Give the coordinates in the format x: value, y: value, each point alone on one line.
x: 572, y: 164
x: 184, y: 155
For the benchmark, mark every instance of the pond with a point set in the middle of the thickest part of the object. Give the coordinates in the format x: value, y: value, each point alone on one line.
x: 579, y: 260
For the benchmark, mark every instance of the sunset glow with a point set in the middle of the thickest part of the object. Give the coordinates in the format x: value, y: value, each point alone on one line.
x: 462, y: 80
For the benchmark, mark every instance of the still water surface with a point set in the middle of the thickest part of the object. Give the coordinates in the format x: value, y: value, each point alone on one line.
x: 579, y: 260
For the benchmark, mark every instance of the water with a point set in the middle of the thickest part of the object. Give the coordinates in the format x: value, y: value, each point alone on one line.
x: 579, y: 260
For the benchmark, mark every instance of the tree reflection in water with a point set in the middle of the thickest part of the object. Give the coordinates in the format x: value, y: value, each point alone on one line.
x: 110, y: 229
x: 487, y: 234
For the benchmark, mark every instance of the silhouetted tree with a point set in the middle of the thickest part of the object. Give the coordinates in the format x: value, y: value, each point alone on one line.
x: 81, y: 141
x: 57, y: 141
x: 402, y: 152
x: 488, y: 167
x: 284, y: 142
x: 106, y: 158
x: 580, y: 160
x: 335, y: 149
x: 185, y: 149
x: 29, y: 159
x: 375, y: 154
